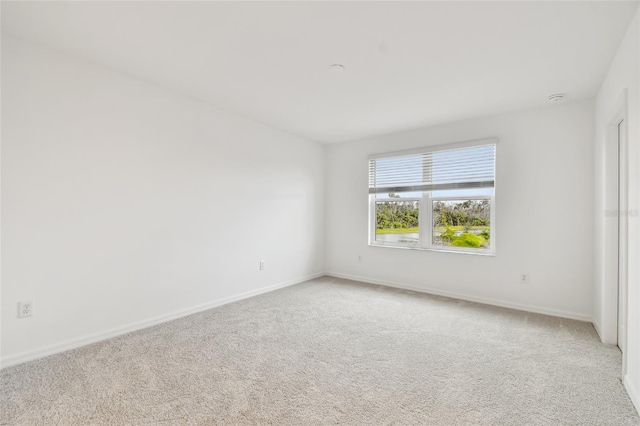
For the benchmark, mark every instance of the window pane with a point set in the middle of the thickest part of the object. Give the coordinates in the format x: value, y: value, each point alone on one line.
x: 397, y: 222
x: 462, y: 223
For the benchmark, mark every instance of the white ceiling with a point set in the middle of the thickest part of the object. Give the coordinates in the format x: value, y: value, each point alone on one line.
x: 407, y: 64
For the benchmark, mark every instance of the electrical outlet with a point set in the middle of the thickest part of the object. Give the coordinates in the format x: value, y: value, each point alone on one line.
x: 524, y: 278
x: 359, y: 258
x: 262, y: 265
x: 25, y: 309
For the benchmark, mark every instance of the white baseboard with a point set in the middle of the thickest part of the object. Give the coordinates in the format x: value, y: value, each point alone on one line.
x: 42, y: 352
x: 467, y: 297
x: 633, y: 393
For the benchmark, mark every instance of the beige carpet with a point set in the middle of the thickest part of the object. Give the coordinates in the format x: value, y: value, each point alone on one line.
x: 331, y: 351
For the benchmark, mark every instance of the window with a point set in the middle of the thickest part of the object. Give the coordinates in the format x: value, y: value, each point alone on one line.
x: 438, y: 198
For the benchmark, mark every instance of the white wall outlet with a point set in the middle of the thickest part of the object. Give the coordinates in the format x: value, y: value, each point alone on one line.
x: 25, y: 309
x: 359, y: 258
x: 524, y: 278
x: 262, y: 265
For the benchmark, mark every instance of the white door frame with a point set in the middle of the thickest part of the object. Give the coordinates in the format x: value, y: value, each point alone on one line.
x: 616, y: 141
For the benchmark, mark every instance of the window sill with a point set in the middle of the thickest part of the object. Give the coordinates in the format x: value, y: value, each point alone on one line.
x: 473, y: 253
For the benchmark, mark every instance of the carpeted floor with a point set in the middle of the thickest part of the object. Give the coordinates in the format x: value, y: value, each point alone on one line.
x: 331, y: 351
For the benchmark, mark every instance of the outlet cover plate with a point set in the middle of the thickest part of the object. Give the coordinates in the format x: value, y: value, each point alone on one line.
x: 25, y: 309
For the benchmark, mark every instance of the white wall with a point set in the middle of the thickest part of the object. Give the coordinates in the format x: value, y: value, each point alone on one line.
x: 124, y: 203
x: 622, y: 76
x: 544, y: 214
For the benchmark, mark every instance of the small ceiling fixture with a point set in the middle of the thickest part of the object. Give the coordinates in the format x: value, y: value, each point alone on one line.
x: 557, y: 97
x: 336, y: 69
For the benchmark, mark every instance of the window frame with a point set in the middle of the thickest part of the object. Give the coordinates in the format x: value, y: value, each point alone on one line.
x: 490, y: 250
x: 374, y: 221
x: 425, y: 212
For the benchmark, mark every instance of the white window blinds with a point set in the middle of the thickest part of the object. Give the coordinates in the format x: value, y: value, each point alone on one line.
x: 433, y: 169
